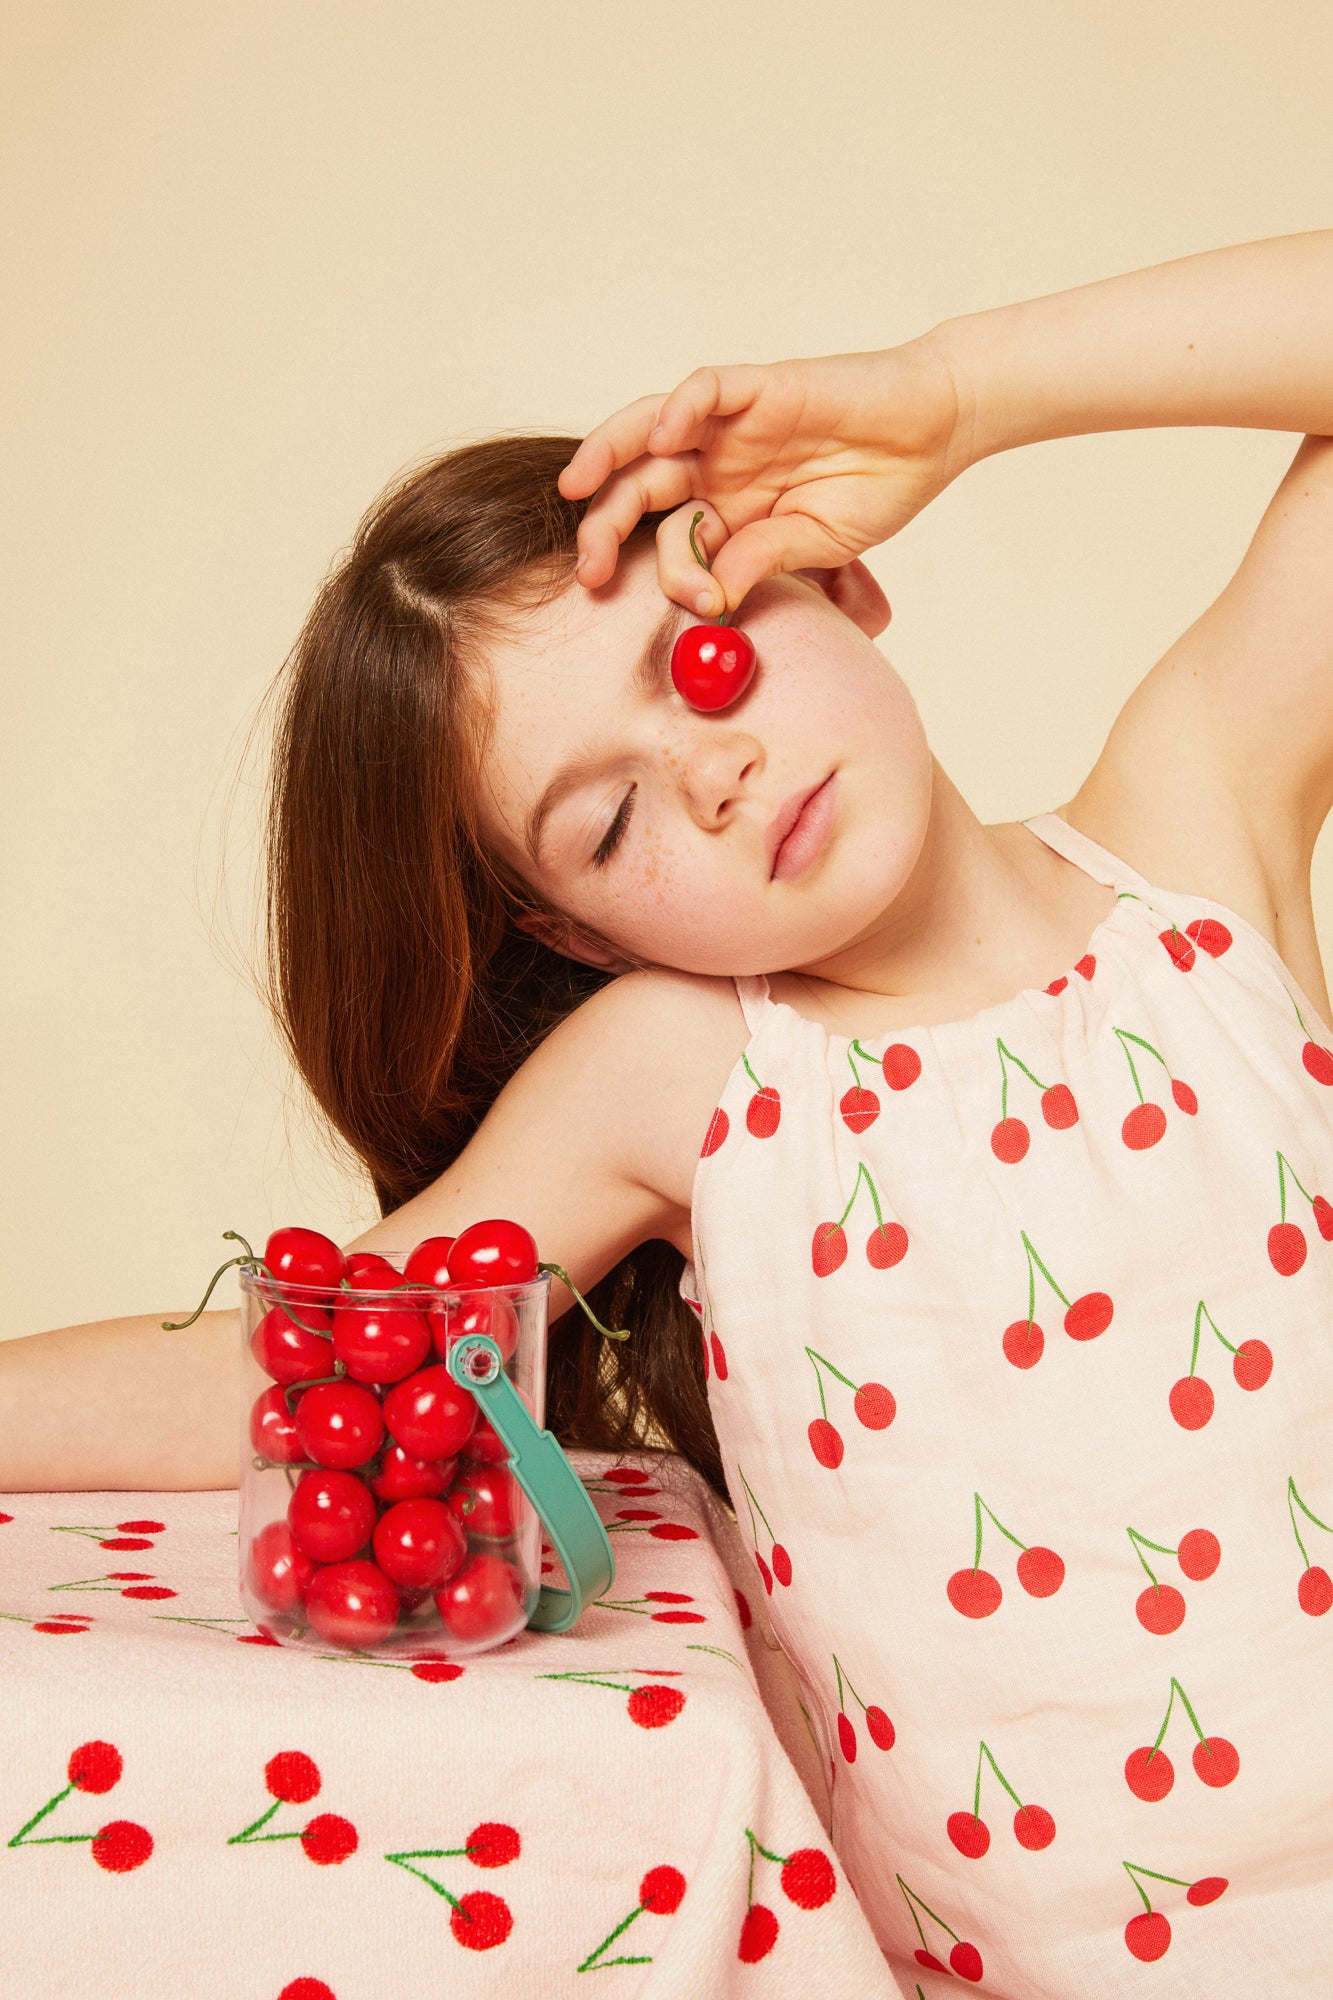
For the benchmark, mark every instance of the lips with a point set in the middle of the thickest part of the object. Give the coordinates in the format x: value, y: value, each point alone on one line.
x: 785, y: 819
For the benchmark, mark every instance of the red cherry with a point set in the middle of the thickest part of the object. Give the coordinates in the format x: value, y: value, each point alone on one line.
x: 781, y: 1564
x: 1089, y: 1316
x: 331, y: 1515
x: 1160, y: 1609
x: 718, y: 1126
x: 966, y: 1960
x: 1148, y: 1935
x: 1323, y: 1215
x: 121, y: 1845
x: 719, y: 1357
x: 901, y: 1065
x: 1206, y: 1890
x: 929, y: 1960
x: 339, y: 1424
x: 402, y: 1477
x: 846, y: 1736
x: 352, y: 1604
x: 1040, y: 1571
x: 1319, y: 1062
x: 829, y: 1248
x: 480, y: 1920
x: 1058, y: 985
x: 1314, y: 1592
x: 1086, y: 966
x: 874, y: 1406
x: 430, y: 1415
x: 292, y: 1777
x: 1149, y: 1774
x: 1144, y: 1126
x: 763, y: 1112
x: 483, y: 1600
x: 429, y: 1262
x: 380, y: 1343
x: 95, y: 1767
x: 859, y: 1108
x: 495, y: 1252
x: 1286, y: 1248
x: 662, y: 1891
x: 882, y: 1732
x: 1216, y: 1761
x: 418, y: 1544
x: 276, y: 1571
x: 974, y: 1592
x: 1023, y: 1343
x: 1191, y: 1402
x: 288, y: 1352
x: 1209, y: 935
x: 759, y: 1932
x: 765, y: 1572
x: 1058, y: 1107
x: 328, y: 1839
x: 654, y: 1705
x: 970, y: 1835
x: 808, y: 1879
x: 1186, y: 1100
x: 826, y: 1443
x: 303, y: 1257
x: 367, y: 1271
x: 1010, y: 1140
x: 712, y: 665
x: 492, y: 1314
x: 487, y: 1500
x: 1033, y: 1828
x: 886, y: 1245
x: 1199, y: 1554
x: 1178, y: 949
x: 272, y: 1430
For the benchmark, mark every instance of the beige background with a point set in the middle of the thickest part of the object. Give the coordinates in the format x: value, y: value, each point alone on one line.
x: 262, y: 255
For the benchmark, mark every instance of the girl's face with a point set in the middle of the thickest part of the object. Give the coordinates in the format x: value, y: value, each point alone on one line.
x: 687, y: 797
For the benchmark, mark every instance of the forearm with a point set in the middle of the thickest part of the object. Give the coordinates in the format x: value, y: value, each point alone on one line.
x: 120, y: 1406
x: 1240, y: 337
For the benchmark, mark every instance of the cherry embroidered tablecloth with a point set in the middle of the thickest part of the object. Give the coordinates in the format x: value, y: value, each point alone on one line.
x: 189, y: 1809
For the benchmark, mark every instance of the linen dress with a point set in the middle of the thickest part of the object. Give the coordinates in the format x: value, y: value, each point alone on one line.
x: 1017, y: 1331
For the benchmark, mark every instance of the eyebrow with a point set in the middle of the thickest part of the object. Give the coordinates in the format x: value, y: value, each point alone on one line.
x: 649, y: 670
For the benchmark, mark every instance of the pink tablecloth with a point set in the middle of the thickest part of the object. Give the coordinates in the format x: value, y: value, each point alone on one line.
x: 189, y: 1810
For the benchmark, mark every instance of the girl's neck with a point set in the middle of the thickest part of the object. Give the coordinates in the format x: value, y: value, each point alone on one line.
x: 987, y: 912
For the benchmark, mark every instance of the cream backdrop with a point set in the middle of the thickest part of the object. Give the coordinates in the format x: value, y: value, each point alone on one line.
x: 262, y: 256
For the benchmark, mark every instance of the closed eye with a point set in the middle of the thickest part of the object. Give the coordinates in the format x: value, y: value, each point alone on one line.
x: 615, y: 833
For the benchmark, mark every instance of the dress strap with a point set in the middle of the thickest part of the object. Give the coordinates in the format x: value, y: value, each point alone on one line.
x: 752, y: 992
x: 1098, y: 862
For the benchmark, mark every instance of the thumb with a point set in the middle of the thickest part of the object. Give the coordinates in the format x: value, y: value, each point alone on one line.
x: 773, y: 547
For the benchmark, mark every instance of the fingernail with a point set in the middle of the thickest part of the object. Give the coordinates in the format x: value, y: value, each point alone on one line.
x: 705, y: 602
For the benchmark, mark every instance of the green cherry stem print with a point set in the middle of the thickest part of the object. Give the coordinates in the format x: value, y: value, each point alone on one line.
x: 1149, y: 1772
x: 661, y: 1893
x: 873, y: 1403
x: 1148, y: 1936
x: 976, y: 1593
x: 807, y: 1880
x: 1086, y: 1317
x: 1286, y: 1240
x: 1191, y: 1398
x: 886, y: 1244
x: 881, y: 1730
x: 1034, y: 1827
x: 1317, y: 1059
x: 779, y: 1558
x: 293, y: 1779
x: 1085, y: 968
x: 1161, y: 1607
x: 478, y: 1919
x: 1011, y: 1138
x: 120, y: 1845
x: 1145, y: 1124
x: 1314, y: 1592
x: 964, y: 1959
x: 764, y: 1110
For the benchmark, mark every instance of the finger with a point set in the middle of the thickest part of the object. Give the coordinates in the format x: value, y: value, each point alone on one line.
x: 773, y: 547
x: 608, y: 447
x: 648, y: 487
x: 692, y: 405
x: 680, y: 573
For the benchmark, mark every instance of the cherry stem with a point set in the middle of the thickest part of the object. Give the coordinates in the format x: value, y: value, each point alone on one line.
x: 987, y: 1754
x: 980, y: 1505
x: 846, y: 1380
x: 1216, y: 1329
x: 1140, y: 1542
x: 611, y: 1332
x: 725, y: 619
x: 177, y: 1325
x: 1033, y: 1258
x: 915, y: 1899
x: 1293, y: 1495
x: 1177, y: 1689
x: 592, y: 1958
x: 750, y: 1496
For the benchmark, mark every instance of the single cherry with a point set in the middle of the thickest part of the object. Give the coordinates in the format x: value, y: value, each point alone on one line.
x: 495, y: 1252
x: 970, y: 1835
x: 1191, y: 1402
x: 1040, y: 1571
x: 331, y: 1515
x: 298, y: 1256
x: 1034, y: 1828
x: 352, y: 1604
x: 826, y: 1443
x: 429, y: 1262
x: 380, y: 1343
x: 483, y: 1600
x: 1199, y: 1553
x: 418, y: 1543
x: 1314, y: 1592
x: 1160, y: 1609
x: 711, y: 665
x: 402, y: 1477
x: 1023, y: 1343
x: 1149, y: 1774
x: 429, y: 1414
x: 1286, y: 1248
x: 1089, y: 1316
x: 1216, y: 1761
x: 1149, y: 1934
x: 276, y: 1571
x: 974, y: 1592
x: 339, y: 1424
x: 292, y: 1353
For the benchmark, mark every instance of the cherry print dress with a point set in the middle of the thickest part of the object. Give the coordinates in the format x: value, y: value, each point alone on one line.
x: 1018, y: 1336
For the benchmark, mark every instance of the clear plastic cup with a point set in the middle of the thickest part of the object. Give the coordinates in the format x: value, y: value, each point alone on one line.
x: 378, y: 1511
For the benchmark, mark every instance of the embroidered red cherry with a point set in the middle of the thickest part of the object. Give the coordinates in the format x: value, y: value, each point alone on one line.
x: 711, y: 665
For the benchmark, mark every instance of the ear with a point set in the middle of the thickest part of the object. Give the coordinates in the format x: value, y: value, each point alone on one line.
x: 854, y: 590
x: 571, y: 942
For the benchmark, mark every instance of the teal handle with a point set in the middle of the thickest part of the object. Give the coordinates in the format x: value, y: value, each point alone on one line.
x: 548, y: 1479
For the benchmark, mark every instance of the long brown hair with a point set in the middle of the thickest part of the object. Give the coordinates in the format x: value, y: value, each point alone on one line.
x: 398, y: 979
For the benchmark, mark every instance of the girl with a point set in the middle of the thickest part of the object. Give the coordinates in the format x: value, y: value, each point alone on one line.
x: 990, y: 1159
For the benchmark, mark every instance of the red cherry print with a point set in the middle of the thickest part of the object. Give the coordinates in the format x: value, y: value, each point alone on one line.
x: 1314, y: 1592
x: 743, y: 1610
x: 1033, y: 1828
x: 291, y: 1353
x: 1010, y: 1140
x: 483, y: 1599
x: 759, y: 1932
x: 1089, y: 1316
x: 1160, y: 1609
x: 330, y: 1515
x: 1149, y: 1934
x: 718, y: 1126
x: 272, y: 1428
x: 765, y: 1572
x: 1216, y: 1761
x: 1209, y: 935
x: 781, y: 1564
x: 662, y: 1891
x: 307, y: 1989
x: 1149, y: 1774
x: 339, y: 1424
x: 495, y: 1252
x: 719, y: 1357
x: 1086, y: 966
x: 276, y: 1571
x: 303, y: 1257
x: 1191, y: 1402
x: 1178, y: 949
x: 1319, y: 1062
x: 882, y: 1732
x: 1199, y: 1554
x: 901, y: 1065
x: 95, y: 1766
x: 493, y: 1844
x: 1059, y: 1108
x: 402, y: 1477
x: 808, y: 1879
x: 1286, y: 1248
x: 929, y: 1960
x: 652, y: 1707
x: 121, y: 1845
x: 1058, y: 985
x: 1206, y: 1890
x: 1323, y: 1215
x: 763, y: 1112
x: 1185, y: 1098
x: 487, y: 1501
x: 970, y: 1835
x: 351, y: 1604
x: 1040, y: 1571
x: 874, y: 1406
x: 859, y: 1108
x: 418, y: 1543
x: 429, y: 1262
x: 380, y: 1343
x: 826, y: 1443
x: 974, y: 1592
x: 966, y: 1960
x: 480, y: 1920
x: 1023, y: 1343
x: 292, y: 1777
x: 846, y: 1736
x: 886, y: 1245
x: 430, y: 1415
x: 1144, y: 1126
x: 829, y: 1248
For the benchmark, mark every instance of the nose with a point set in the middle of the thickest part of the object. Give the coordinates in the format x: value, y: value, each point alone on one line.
x: 719, y: 769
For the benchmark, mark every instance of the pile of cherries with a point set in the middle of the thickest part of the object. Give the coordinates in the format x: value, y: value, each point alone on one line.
x: 400, y: 1488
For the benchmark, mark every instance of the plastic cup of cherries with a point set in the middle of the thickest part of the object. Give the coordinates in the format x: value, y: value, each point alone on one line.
x: 378, y: 1508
